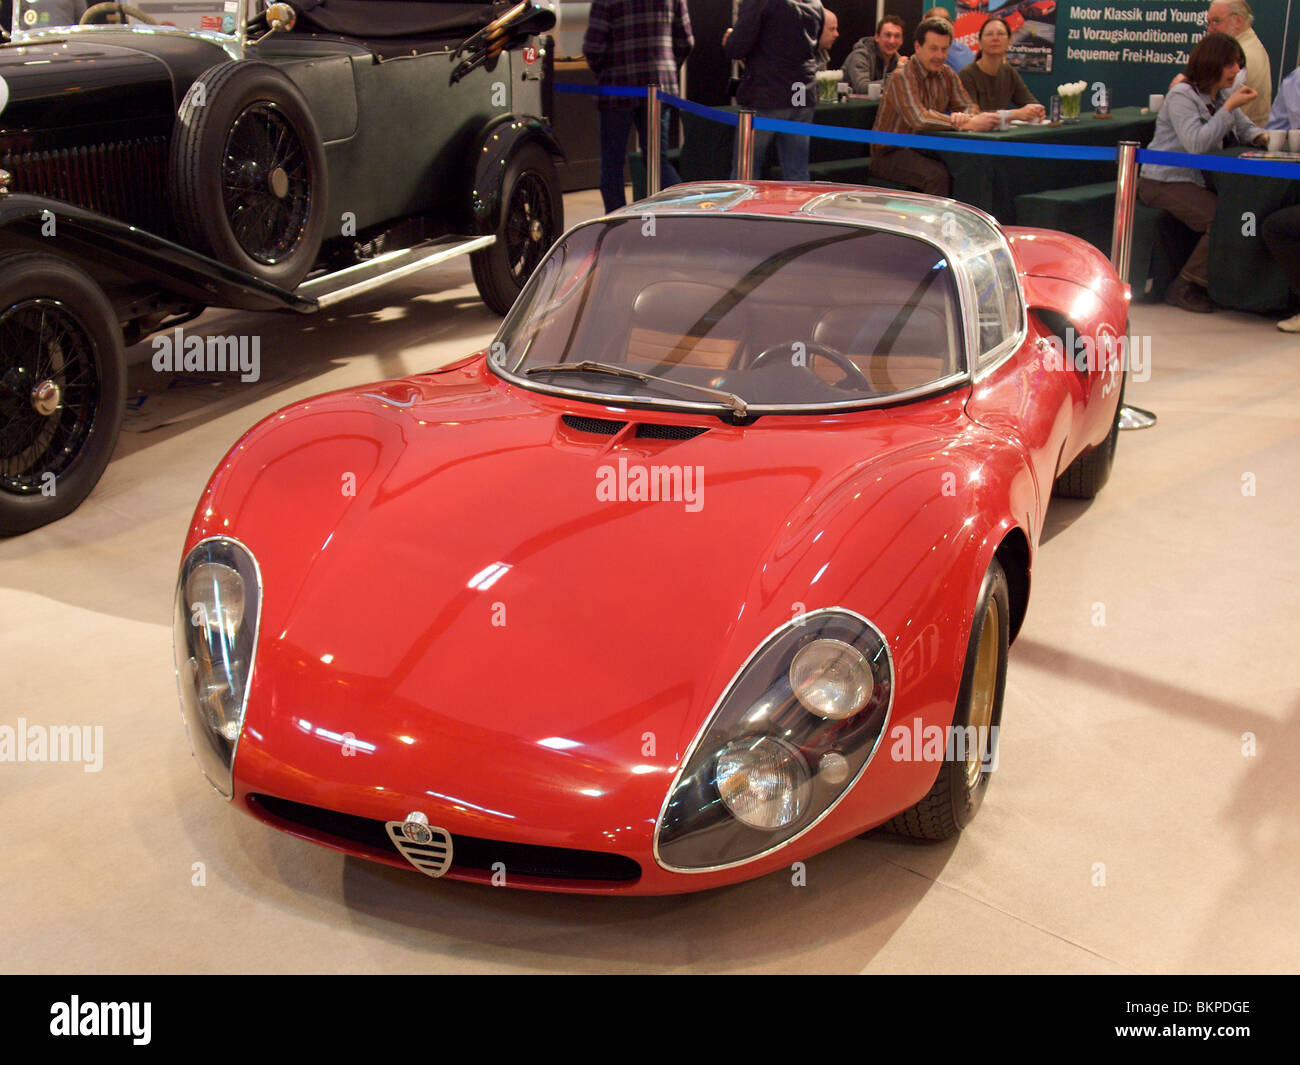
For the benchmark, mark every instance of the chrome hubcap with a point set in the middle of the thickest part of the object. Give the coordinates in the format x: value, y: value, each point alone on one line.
x: 535, y: 230
x: 279, y: 183
x: 46, y: 398
x: 983, y: 692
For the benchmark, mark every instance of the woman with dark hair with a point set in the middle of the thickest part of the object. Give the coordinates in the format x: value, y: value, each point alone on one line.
x: 992, y: 82
x: 1196, y: 118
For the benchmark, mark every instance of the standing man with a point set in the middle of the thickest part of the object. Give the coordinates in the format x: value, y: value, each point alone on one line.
x: 925, y: 94
x: 830, y: 34
x: 874, y: 57
x: 1236, y: 18
x: 778, y: 39
x: 636, y: 43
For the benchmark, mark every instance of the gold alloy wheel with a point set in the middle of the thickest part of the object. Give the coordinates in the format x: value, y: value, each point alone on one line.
x: 984, y: 686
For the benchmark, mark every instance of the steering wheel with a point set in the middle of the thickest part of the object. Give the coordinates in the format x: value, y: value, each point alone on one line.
x: 95, y: 10
x: 852, y: 371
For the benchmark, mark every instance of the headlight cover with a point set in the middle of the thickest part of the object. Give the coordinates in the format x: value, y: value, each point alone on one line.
x: 772, y: 762
x: 218, y: 607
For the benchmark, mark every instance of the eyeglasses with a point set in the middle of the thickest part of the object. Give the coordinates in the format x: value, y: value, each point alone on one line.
x: 1217, y: 20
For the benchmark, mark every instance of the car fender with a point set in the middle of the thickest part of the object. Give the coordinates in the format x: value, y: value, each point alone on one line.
x: 498, y: 141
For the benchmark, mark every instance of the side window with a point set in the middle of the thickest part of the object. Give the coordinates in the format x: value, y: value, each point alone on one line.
x: 997, y: 299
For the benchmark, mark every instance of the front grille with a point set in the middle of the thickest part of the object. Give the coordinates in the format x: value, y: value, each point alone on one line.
x: 651, y: 431
x: 601, y: 426
x: 125, y: 180
x: 468, y: 852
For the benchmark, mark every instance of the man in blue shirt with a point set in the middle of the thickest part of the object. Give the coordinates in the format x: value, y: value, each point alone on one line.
x: 1286, y: 108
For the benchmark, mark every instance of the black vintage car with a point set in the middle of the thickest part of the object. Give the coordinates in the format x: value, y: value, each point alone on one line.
x: 162, y: 157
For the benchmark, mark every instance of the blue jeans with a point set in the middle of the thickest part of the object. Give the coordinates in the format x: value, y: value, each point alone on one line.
x: 615, y: 125
x: 791, y: 149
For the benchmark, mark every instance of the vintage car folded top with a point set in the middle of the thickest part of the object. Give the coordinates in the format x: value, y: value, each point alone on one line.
x: 709, y: 563
x: 205, y: 154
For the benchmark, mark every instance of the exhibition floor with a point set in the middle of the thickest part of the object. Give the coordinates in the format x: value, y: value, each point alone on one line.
x: 1142, y: 817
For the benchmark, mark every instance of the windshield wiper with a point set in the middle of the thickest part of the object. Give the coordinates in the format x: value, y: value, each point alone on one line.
x: 729, y: 398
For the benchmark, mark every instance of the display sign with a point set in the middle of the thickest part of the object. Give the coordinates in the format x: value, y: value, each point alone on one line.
x: 1032, y: 24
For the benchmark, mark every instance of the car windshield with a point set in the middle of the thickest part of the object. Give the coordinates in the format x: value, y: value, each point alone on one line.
x: 735, y: 311
x: 214, y: 16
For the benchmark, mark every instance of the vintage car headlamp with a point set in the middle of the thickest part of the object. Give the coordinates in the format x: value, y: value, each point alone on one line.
x: 831, y: 678
x: 218, y: 600
x: 787, y: 740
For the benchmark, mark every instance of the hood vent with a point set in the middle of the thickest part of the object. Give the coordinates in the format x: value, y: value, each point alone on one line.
x: 599, y: 426
x: 651, y: 431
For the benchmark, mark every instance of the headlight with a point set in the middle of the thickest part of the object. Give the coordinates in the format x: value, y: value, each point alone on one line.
x: 790, y: 735
x: 218, y: 599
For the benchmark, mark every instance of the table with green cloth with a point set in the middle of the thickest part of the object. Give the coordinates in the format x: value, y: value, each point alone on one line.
x: 1243, y: 275
x: 992, y: 183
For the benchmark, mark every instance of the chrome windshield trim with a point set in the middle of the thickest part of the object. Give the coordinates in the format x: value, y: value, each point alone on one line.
x: 943, y: 384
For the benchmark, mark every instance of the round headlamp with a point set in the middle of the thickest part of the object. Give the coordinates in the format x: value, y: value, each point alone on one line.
x: 831, y: 679
x: 764, y: 781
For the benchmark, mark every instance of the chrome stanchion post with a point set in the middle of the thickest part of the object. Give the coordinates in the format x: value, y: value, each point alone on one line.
x: 653, y: 147
x: 1121, y: 254
x: 745, y: 146
x: 1121, y: 235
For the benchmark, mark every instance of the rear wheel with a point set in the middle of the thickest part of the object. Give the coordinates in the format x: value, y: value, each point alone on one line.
x: 1088, y: 474
x: 62, y: 388
x: 958, y: 790
x: 532, y: 217
x: 247, y: 172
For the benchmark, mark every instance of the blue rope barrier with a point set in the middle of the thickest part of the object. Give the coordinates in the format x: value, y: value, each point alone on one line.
x: 1086, y: 152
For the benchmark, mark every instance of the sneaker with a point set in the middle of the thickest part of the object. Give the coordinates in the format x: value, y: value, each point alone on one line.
x: 1290, y: 325
x: 1182, y: 293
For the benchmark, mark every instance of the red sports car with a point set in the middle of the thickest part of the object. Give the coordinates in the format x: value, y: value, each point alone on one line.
x: 709, y: 563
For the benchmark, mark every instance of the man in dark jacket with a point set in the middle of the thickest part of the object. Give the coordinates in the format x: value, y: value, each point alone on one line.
x: 636, y: 43
x: 777, y: 39
x: 874, y: 57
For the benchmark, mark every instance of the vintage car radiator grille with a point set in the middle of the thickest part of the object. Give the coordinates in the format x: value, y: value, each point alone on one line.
x: 123, y: 179
x: 468, y: 852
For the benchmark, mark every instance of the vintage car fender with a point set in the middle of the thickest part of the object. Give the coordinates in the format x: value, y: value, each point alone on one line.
x: 496, y: 143
x: 115, y: 253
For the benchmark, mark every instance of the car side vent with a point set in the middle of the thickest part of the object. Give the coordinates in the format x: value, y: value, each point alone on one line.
x: 600, y: 426
x: 651, y: 431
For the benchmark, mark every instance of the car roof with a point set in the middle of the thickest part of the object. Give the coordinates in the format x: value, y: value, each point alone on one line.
x: 956, y: 228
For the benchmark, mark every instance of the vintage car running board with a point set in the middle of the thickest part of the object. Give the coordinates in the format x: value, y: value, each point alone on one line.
x: 354, y: 280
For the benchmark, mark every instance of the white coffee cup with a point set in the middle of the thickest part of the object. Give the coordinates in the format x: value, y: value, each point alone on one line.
x: 873, y: 90
x: 1155, y: 101
x: 1276, y: 140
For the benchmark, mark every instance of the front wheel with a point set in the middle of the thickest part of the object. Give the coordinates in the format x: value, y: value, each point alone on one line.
x: 62, y: 388
x: 532, y: 217
x: 958, y: 790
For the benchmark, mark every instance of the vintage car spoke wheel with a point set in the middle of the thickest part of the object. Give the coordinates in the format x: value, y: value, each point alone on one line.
x: 248, y: 172
x: 532, y: 217
x: 958, y: 790
x: 62, y: 388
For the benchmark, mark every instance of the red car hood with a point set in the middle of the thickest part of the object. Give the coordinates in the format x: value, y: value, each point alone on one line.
x: 478, y: 629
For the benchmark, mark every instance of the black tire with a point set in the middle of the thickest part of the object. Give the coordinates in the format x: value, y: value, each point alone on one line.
x: 532, y: 218
x: 58, y: 335
x: 1088, y: 474
x: 247, y: 173
x: 958, y: 791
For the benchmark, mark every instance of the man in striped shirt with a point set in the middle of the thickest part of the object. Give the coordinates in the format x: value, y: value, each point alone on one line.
x: 924, y: 95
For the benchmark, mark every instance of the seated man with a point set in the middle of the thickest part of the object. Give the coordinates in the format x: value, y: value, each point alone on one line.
x: 874, y: 57
x: 925, y: 94
x: 1286, y: 108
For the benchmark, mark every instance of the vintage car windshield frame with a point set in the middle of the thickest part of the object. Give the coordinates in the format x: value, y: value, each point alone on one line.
x: 497, y: 350
x: 233, y: 43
